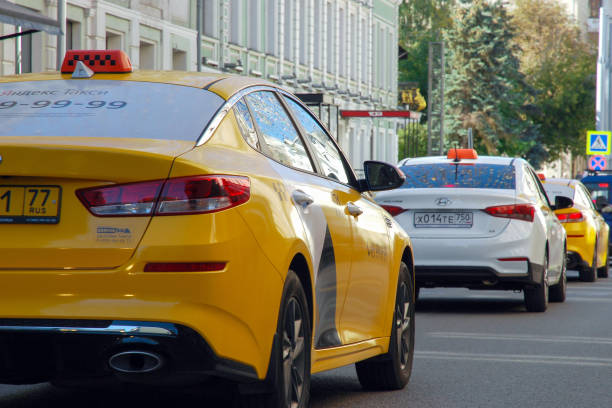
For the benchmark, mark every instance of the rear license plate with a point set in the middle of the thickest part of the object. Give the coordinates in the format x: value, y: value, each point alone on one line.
x: 443, y: 219
x: 30, y: 204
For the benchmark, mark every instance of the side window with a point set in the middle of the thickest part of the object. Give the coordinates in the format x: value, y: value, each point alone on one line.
x: 327, y: 153
x: 279, y: 135
x: 245, y: 123
x: 540, y: 189
x: 586, y: 197
x: 529, y: 183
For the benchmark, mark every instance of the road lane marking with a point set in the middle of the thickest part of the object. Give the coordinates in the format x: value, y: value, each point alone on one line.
x: 588, y: 299
x: 517, y: 358
x: 522, y: 337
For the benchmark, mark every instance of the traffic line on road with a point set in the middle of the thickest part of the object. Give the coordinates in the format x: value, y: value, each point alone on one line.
x: 517, y: 358
x: 588, y: 299
x: 522, y: 337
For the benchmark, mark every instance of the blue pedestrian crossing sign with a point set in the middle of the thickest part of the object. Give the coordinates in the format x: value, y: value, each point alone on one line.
x: 598, y: 142
x: 597, y: 163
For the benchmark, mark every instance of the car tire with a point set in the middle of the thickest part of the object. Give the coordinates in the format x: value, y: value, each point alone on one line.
x: 289, y: 373
x: 589, y: 273
x: 417, y: 292
x: 536, y: 296
x: 556, y: 293
x: 603, y: 271
x: 391, y: 371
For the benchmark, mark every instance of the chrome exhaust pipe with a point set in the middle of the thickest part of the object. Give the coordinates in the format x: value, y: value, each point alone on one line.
x: 135, y: 362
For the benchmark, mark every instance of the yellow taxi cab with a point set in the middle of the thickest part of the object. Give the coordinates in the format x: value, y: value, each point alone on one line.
x: 587, y: 231
x: 164, y: 227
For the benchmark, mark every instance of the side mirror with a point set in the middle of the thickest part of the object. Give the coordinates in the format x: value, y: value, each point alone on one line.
x: 562, y: 202
x: 381, y: 176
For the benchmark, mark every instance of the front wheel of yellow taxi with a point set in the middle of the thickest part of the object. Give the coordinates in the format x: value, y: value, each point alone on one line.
x: 176, y: 228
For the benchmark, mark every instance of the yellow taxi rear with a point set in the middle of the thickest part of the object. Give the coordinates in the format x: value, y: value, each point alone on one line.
x: 587, y: 232
x: 181, y: 258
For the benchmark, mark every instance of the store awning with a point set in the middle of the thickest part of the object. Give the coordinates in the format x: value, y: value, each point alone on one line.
x: 30, y: 21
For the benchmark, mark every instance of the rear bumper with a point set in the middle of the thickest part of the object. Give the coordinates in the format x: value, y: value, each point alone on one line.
x: 476, y: 277
x: 37, y: 350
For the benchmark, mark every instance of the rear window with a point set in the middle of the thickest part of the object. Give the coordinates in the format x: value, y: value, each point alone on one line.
x: 93, y: 108
x: 445, y: 175
x: 554, y: 190
x: 598, y: 190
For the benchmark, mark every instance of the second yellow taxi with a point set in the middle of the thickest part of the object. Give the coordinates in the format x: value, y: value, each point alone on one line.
x: 587, y: 232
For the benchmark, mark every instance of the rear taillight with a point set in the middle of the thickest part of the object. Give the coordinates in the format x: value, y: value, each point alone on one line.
x: 571, y: 217
x: 393, y: 210
x: 203, y: 194
x: 523, y: 212
x: 134, y: 199
x: 185, y: 195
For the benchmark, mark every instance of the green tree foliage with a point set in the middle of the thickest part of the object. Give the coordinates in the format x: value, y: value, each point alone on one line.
x: 412, y: 141
x: 485, y: 89
x: 561, y: 64
x: 420, y: 21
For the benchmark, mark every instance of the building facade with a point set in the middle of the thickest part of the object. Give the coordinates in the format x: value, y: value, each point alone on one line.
x: 338, y: 54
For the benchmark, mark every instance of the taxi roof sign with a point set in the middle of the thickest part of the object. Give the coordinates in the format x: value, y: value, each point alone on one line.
x: 459, y: 154
x: 109, y: 61
x: 598, y: 142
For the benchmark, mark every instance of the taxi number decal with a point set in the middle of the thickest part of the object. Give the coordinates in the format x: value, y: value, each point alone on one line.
x: 29, y: 204
x: 64, y: 103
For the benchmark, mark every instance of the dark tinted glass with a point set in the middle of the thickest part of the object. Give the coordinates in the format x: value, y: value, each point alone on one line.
x: 443, y: 175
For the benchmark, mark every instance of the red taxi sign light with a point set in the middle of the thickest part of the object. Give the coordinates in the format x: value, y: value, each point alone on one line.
x: 542, y: 176
x: 461, y: 154
x: 108, y: 61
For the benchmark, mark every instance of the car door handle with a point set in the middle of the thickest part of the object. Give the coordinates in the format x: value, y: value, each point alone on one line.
x: 353, y: 209
x: 301, y: 198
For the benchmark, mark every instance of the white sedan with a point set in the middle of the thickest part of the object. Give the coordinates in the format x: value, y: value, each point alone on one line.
x: 481, y: 223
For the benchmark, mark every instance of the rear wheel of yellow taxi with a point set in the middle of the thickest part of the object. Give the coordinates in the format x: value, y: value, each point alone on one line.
x: 589, y: 273
x: 289, y: 372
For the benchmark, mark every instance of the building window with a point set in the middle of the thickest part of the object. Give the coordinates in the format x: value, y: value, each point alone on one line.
x: 381, y: 57
x: 114, y: 41
x: 23, y: 54
x: 254, y: 22
x: 353, y: 53
x: 73, y: 35
x: 147, y: 55
x: 342, y: 41
x: 364, y: 50
x: 210, y: 17
x: 236, y: 22
x: 304, y: 14
x: 179, y: 60
x: 330, y: 37
x: 317, y: 34
x: 289, y: 36
x: 390, y: 49
x: 271, y: 19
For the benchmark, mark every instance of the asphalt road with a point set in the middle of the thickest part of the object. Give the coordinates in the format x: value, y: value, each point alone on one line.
x: 474, y: 349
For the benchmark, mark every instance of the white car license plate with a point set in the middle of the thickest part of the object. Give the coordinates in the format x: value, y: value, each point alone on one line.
x: 464, y: 219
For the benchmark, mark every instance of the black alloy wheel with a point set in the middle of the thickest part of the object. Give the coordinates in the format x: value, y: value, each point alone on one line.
x: 556, y: 293
x: 392, y: 370
x: 536, y: 296
x: 287, y: 383
x: 403, y: 324
x: 589, y: 273
x: 293, y: 348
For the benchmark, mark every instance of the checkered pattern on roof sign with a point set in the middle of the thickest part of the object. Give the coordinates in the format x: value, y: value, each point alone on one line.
x: 97, y: 60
